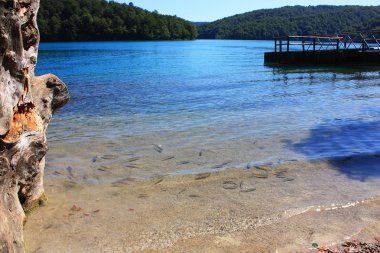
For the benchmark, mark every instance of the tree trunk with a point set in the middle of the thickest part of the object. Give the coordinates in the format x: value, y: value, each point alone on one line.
x: 26, y: 106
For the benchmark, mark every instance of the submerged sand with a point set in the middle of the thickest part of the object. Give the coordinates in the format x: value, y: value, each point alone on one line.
x: 263, y: 209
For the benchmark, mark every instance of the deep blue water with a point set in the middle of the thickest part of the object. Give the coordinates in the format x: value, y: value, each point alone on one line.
x: 211, y: 93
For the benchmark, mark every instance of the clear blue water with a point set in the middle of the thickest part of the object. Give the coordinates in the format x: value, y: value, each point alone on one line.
x: 187, y: 96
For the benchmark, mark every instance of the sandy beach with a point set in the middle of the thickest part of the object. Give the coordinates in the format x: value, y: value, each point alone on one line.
x: 280, y: 208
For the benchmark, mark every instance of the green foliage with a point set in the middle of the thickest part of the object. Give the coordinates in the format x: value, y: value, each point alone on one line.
x: 373, y: 25
x: 296, y: 20
x: 84, y: 20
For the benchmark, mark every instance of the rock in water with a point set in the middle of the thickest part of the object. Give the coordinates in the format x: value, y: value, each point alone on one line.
x: 26, y: 106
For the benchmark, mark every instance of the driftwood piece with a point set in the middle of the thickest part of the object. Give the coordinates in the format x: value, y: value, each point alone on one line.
x: 26, y: 106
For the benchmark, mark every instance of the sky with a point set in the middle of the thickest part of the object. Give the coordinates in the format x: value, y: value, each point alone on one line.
x: 211, y: 10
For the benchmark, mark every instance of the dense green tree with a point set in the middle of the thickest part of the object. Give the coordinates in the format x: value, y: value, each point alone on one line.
x: 83, y: 20
x: 295, y: 20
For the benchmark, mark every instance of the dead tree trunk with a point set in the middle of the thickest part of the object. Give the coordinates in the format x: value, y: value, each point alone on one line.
x: 26, y: 106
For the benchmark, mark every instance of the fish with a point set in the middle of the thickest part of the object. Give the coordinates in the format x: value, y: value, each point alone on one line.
x: 219, y: 166
x: 168, y: 158
x: 133, y: 159
x: 229, y: 185
x: 183, y: 162
x: 260, y: 175
x: 70, y: 170
x: 108, y: 157
x: 248, y: 190
x: 124, y: 180
x: 132, y: 166
x: 202, y: 176
x: 243, y: 189
x: 205, y: 150
x: 261, y: 168
x: 158, y: 148
x: 158, y: 180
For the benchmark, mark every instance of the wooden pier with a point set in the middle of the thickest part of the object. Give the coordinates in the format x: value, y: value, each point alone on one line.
x: 357, y: 48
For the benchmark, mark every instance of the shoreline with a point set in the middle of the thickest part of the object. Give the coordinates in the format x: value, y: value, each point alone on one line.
x: 284, y: 207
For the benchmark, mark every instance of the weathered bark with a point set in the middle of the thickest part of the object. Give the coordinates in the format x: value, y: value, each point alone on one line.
x: 26, y: 106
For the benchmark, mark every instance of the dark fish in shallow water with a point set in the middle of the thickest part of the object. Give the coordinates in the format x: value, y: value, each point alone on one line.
x: 205, y: 150
x: 103, y: 168
x: 132, y: 166
x: 292, y: 160
x: 280, y: 175
x: 183, y: 190
x: 133, y: 159
x: 248, y: 190
x: 229, y: 185
x: 219, y: 166
x: 281, y: 170
x: 183, y: 162
x: 168, y: 158
x: 158, y: 148
x: 202, y: 176
x: 261, y: 168
x: 259, y: 174
x: 124, y: 180
x: 108, y: 157
x: 252, y: 164
x: 158, y: 180
x: 70, y: 170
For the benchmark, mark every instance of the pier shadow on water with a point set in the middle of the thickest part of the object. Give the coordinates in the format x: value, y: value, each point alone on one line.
x: 341, y: 69
x: 352, y: 147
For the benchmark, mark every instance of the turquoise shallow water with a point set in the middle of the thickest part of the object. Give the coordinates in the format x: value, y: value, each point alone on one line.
x: 193, y: 98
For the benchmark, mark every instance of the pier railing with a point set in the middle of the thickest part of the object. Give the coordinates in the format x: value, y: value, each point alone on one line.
x: 352, y: 41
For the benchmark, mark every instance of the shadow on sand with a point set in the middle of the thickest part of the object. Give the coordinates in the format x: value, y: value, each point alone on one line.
x: 351, y: 146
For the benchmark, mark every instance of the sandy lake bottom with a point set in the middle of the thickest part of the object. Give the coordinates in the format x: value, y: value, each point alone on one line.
x: 262, y: 209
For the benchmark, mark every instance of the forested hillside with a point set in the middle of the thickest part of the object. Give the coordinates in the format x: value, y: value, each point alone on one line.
x: 296, y: 20
x: 374, y: 25
x: 83, y: 20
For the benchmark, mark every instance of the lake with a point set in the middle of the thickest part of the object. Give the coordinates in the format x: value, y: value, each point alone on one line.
x: 147, y: 109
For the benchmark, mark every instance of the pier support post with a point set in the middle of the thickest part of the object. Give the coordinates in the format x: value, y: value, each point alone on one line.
x: 337, y: 45
x: 275, y: 45
x: 303, y: 44
x: 287, y: 44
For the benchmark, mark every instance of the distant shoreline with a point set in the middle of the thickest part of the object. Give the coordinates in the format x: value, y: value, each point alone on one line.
x: 84, y: 41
